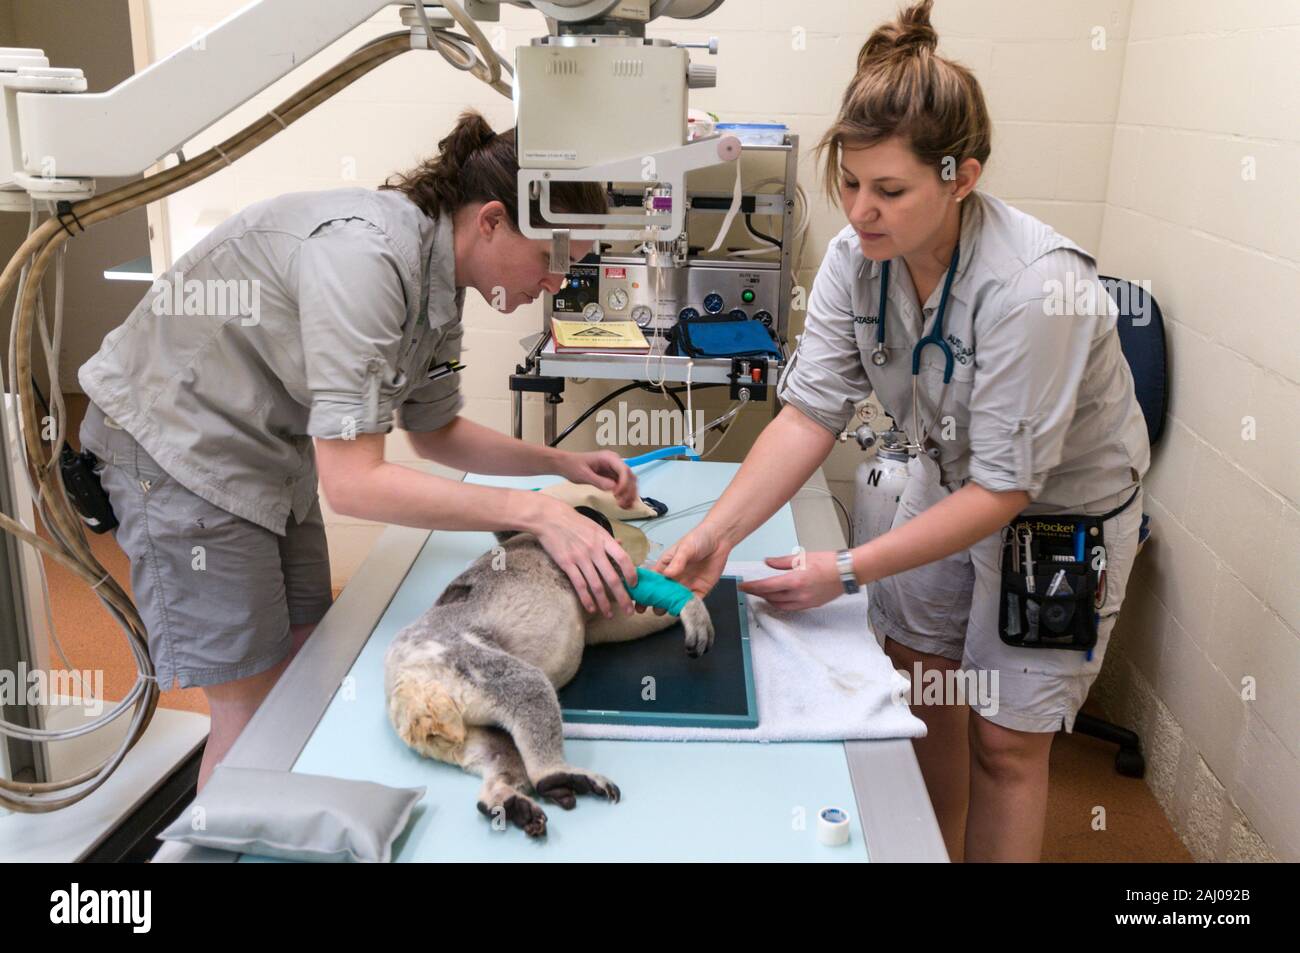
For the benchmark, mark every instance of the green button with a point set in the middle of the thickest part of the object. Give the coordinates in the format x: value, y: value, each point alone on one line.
x: 747, y: 296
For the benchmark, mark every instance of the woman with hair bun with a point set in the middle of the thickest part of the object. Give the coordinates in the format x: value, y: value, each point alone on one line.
x: 964, y: 317
x: 293, y: 337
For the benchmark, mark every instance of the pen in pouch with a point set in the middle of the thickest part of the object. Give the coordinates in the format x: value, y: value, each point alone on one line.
x: 1013, y: 603
x: 1078, y: 542
x: 440, y: 371
x: 1013, y: 614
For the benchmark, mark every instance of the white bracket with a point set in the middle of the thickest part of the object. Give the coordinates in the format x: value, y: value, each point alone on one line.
x: 152, y: 113
x: 668, y: 167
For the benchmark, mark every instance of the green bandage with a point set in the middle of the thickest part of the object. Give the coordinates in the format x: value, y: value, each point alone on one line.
x: 659, y: 592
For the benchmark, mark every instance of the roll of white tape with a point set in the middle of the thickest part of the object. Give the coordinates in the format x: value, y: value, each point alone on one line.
x: 833, y: 826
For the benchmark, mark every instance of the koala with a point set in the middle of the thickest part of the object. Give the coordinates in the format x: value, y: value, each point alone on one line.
x: 473, y: 681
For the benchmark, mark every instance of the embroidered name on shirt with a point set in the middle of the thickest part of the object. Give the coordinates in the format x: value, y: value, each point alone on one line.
x: 960, y: 352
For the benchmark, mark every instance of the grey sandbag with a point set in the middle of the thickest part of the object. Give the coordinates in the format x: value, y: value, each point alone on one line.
x: 308, y: 817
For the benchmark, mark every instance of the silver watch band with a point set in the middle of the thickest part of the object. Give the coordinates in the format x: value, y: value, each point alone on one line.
x: 844, y: 562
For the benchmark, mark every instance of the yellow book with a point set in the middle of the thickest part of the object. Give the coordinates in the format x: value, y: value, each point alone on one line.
x: 608, y: 336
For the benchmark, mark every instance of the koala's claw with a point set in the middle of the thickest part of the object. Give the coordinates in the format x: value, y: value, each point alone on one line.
x: 562, y: 787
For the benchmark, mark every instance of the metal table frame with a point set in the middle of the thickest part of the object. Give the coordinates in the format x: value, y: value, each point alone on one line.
x: 897, y: 818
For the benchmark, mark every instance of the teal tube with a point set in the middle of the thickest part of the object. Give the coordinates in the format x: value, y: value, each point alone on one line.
x: 660, y: 454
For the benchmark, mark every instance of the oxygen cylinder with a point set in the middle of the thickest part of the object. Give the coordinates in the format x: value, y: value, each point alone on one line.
x: 879, y: 484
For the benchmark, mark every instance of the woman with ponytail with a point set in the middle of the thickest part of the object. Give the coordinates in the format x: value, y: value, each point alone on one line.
x: 287, y: 343
x: 988, y: 339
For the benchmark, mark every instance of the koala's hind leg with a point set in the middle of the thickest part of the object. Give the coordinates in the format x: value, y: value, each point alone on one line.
x: 428, y: 718
x: 492, y: 755
x: 518, y: 697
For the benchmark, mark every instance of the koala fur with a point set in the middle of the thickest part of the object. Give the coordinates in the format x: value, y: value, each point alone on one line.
x: 473, y: 681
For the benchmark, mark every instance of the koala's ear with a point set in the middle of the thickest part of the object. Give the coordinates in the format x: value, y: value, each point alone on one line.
x: 506, y: 534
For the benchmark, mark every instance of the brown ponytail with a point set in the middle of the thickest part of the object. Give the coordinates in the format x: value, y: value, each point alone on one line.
x: 904, y: 88
x: 475, y: 164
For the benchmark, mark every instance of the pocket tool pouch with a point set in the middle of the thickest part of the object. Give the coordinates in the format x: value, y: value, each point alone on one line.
x: 83, y: 487
x: 1053, y: 580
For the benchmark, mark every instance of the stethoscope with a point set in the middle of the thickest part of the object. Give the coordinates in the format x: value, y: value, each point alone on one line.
x: 880, y: 357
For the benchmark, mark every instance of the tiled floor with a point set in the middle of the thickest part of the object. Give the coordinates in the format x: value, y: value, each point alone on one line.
x: 1082, y: 770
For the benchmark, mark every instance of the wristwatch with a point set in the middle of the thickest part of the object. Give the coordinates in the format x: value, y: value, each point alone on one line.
x: 844, y: 563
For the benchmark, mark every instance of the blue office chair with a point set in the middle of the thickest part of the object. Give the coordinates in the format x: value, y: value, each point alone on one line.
x: 1142, y: 339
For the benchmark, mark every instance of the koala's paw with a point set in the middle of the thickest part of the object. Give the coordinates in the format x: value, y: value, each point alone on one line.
x: 503, y: 804
x: 698, y: 626
x: 562, y: 787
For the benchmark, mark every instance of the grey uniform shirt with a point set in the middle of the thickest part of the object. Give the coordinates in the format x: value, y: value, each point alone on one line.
x: 1041, y: 398
x: 312, y: 314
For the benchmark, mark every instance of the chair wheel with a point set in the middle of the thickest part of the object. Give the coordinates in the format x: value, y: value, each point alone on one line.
x: 1130, y: 763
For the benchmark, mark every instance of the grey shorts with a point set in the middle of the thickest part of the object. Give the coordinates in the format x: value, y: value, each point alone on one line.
x: 217, y: 593
x: 949, y: 608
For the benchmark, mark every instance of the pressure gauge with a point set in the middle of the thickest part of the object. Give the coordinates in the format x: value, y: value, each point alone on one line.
x: 642, y: 315
x: 617, y: 299
x: 713, y: 302
x: 593, y: 312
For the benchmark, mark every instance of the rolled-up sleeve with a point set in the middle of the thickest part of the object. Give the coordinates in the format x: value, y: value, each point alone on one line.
x: 434, y: 404
x: 824, y: 378
x: 352, y: 309
x: 1031, y: 362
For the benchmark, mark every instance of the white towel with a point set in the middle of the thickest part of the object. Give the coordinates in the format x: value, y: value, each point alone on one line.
x: 819, y: 675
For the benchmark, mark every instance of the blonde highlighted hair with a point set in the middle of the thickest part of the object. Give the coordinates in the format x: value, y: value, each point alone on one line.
x: 904, y: 88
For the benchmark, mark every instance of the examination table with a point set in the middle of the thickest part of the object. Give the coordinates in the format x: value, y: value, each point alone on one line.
x: 693, y: 801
